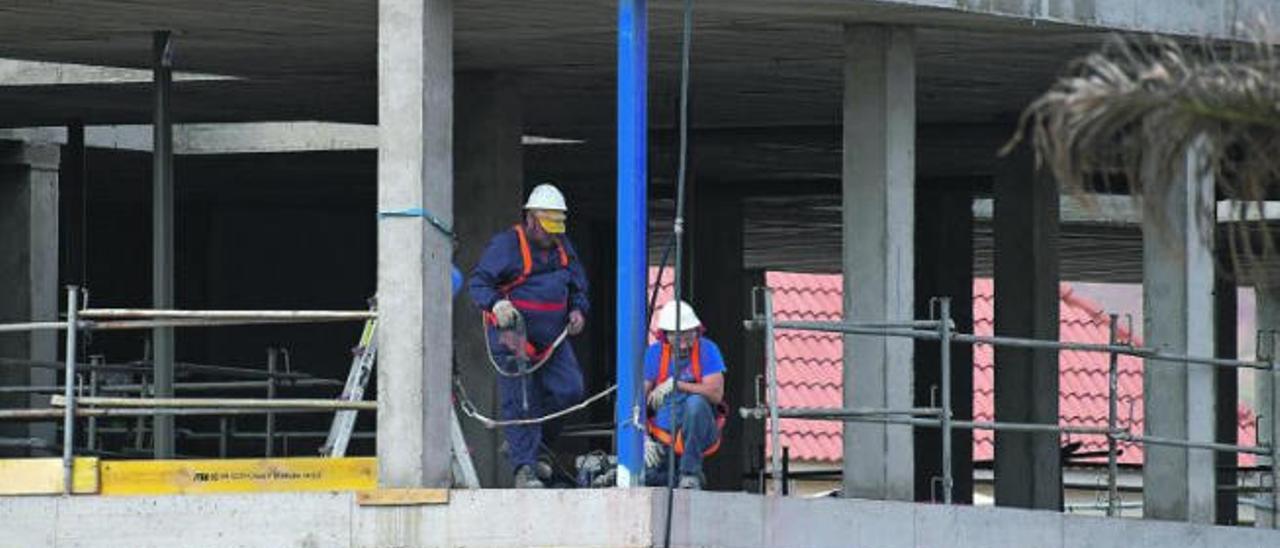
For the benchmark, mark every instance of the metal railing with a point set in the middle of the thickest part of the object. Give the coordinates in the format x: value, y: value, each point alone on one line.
x: 87, y: 319
x: 942, y: 330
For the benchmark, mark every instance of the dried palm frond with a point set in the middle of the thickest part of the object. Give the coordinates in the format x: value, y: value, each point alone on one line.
x: 1132, y: 111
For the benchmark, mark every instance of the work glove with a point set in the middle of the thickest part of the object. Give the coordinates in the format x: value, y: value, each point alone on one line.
x: 505, y: 314
x: 659, y: 393
x: 652, y: 452
x: 577, y: 321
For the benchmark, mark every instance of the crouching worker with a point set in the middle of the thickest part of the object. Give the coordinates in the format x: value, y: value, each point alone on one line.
x: 684, y: 375
x: 531, y: 289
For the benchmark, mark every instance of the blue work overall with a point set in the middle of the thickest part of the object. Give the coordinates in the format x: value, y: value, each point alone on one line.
x: 544, y: 285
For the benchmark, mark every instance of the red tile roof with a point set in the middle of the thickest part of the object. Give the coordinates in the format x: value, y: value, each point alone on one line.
x: 809, y: 369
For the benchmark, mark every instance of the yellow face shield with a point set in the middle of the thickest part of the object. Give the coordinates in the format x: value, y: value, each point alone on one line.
x: 551, y: 221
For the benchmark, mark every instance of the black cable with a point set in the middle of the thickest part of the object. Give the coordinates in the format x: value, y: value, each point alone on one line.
x: 685, y: 43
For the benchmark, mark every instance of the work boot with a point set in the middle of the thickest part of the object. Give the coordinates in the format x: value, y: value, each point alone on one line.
x: 543, y: 468
x: 689, y: 481
x: 527, y: 478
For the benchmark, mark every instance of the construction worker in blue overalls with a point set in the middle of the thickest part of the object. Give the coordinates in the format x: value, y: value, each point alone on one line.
x: 688, y: 367
x: 531, y: 288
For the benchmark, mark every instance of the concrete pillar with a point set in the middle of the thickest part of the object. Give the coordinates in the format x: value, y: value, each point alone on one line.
x: 488, y: 195
x: 1028, y: 467
x: 722, y: 300
x: 1227, y: 394
x: 879, y: 205
x: 72, y: 208
x: 28, y: 274
x: 944, y: 268
x: 164, y: 347
x: 1178, y: 398
x: 1266, y: 403
x: 415, y: 170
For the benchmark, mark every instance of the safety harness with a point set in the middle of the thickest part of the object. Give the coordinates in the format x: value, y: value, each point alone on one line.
x: 526, y: 256
x: 695, y: 367
x: 538, y: 357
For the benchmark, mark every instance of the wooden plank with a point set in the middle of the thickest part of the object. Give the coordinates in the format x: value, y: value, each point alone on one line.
x: 190, y: 477
x: 402, y: 497
x: 43, y: 476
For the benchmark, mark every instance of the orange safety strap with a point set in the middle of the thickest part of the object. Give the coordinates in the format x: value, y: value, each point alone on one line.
x: 526, y: 259
x: 664, y: 371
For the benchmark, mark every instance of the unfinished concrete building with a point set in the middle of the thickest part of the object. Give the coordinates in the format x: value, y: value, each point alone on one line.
x: 310, y: 155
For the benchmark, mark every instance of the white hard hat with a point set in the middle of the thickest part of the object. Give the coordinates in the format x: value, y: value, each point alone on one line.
x: 667, y: 317
x: 546, y: 196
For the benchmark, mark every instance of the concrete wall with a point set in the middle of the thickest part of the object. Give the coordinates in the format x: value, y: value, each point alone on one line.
x: 610, y: 517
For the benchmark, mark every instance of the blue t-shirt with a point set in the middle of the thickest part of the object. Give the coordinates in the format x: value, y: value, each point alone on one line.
x: 712, y: 362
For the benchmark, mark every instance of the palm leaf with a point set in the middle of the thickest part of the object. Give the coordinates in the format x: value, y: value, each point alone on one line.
x: 1131, y: 111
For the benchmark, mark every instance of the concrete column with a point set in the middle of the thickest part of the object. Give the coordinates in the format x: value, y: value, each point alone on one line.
x: 72, y: 206
x: 879, y: 205
x: 1178, y: 398
x: 1267, y: 405
x: 1227, y: 396
x: 488, y: 195
x: 1028, y: 467
x: 415, y: 170
x: 28, y: 274
x: 721, y: 299
x: 944, y: 260
x: 164, y: 347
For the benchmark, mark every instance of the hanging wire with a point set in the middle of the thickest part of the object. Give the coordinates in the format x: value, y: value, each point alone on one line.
x: 678, y: 228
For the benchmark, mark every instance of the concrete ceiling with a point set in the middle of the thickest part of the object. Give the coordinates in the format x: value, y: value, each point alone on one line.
x: 754, y: 67
x: 766, y: 78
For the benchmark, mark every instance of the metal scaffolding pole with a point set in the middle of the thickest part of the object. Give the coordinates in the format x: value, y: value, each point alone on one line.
x: 221, y: 403
x: 944, y: 337
x: 1273, y: 382
x: 69, y: 382
x: 92, y: 430
x: 292, y: 316
x: 941, y: 417
x: 270, y: 434
x: 162, y: 231
x: 771, y: 377
x: 1113, y: 388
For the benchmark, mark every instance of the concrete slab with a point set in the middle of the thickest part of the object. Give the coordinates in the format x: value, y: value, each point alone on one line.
x: 31, y: 522
x: 508, y: 517
x: 734, y: 521
x: 835, y: 522
x: 939, y: 526
x: 291, y: 519
x: 1097, y: 532
x: 605, y: 517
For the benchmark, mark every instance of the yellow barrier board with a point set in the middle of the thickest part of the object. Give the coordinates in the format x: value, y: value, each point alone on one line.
x: 190, y: 477
x: 402, y: 497
x: 44, y: 476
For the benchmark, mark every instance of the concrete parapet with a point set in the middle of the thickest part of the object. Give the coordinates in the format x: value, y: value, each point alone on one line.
x: 606, y: 517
